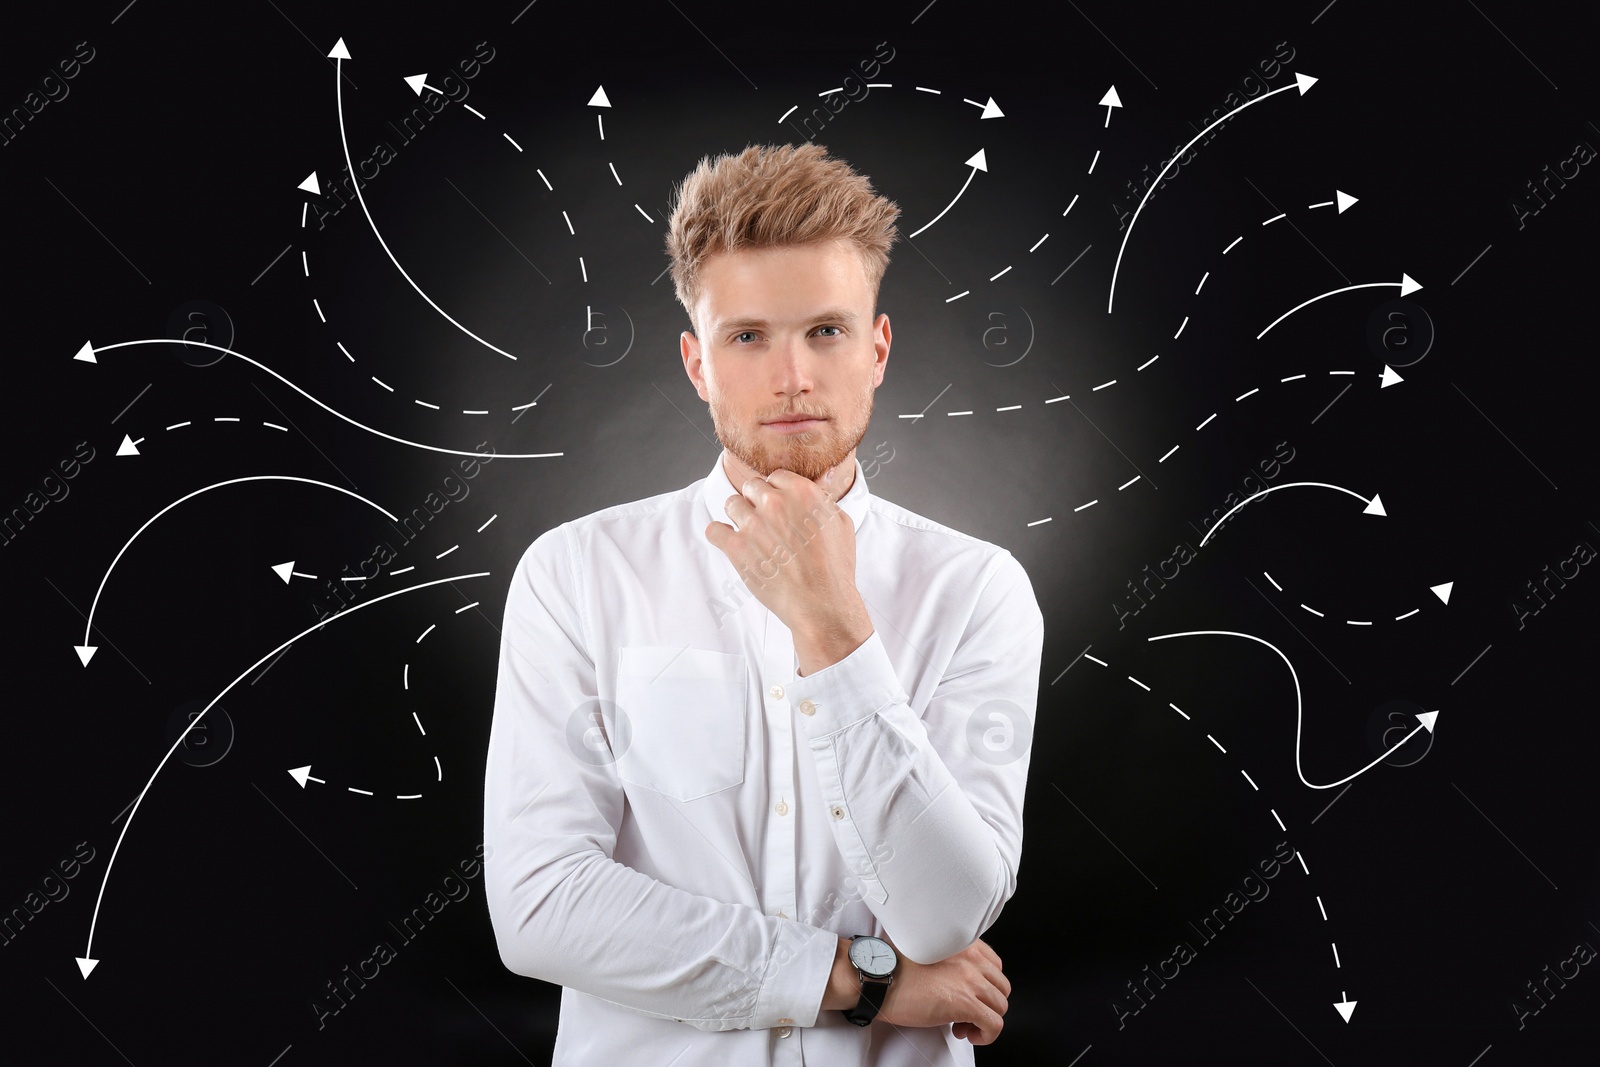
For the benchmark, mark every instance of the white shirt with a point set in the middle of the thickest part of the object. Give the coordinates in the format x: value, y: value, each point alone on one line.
x: 680, y: 828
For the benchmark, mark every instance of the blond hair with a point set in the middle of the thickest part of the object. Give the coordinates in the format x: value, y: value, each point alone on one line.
x: 773, y: 195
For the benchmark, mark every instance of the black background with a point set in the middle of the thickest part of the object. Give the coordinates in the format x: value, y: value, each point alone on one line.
x: 1450, y: 875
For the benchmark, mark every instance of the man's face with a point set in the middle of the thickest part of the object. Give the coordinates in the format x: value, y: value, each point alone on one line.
x: 787, y: 331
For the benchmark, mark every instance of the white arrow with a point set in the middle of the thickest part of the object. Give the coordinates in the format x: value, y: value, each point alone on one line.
x: 1302, y: 82
x: 1374, y: 506
x: 1443, y: 591
x: 599, y: 99
x: 128, y: 447
x: 86, y: 353
x: 1389, y: 377
x: 340, y: 53
x: 1347, y: 1007
x: 991, y: 110
x: 310, y: 185
x: 287, y: 571
x: 1425, y: 721
x: 977, y: 163
x: 1109, y: 101
x: 1407, y: 285
x: 1345, y: 200
x: 86, y: 962
x: 303, y: 774
x: 86, y: 650
x: 419, y: 82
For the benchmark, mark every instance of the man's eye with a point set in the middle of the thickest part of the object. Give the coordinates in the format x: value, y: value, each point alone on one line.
x: 745, y: 337
x: 838, y: 330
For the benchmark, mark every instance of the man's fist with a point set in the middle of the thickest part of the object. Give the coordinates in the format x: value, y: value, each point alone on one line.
x: 967, y: 989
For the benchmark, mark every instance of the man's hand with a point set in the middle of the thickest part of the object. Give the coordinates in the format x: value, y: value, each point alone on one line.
x: 796, y: 551
x: 967, y: 989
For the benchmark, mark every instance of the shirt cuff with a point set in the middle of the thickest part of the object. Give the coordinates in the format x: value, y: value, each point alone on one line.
x: 797, y: 977
x: 844, y: 693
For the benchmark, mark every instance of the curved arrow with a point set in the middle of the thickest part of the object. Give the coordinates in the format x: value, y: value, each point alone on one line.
x: 339, y: 54
x: 1406, y: 283
x: 1374, y: 506
x: 1303, y: 82
x: 86, y: 651
x: 87, y: 352
x: 87, y: 962
x: 1424, y: 721
x: 977, y: 163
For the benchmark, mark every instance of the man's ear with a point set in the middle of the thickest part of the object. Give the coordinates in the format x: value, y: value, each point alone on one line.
x: 689, y: 346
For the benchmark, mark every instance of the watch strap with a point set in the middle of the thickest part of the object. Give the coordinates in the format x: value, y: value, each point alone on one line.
x: 873, y: 991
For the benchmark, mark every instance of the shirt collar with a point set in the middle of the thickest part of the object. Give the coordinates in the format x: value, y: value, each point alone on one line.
x: 716, y: 489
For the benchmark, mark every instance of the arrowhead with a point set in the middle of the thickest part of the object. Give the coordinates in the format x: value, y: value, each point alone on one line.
x: 310, y: 185
x: 85, y: 652
x: 1305, y: 82
x: 86, y: 965
x: 341, y: 52
x: 1111, y: 99
x: 1346, y: 1008
x: 1390, y: 377
x: 1345, y: 200
x: 1443, y: 591
x: 415, y: 81
x: 283, y: 570
x: 979, y: 161
x: 127, y: 448
x: 1408, y: 285
x: 1426, y: 719
x: 599, y: 99
x: 1375, y: 507
x: 86, y: 353
x: 991, y: 110
x: 300, y: 774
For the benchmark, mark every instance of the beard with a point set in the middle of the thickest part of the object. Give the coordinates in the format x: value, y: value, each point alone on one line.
x: 810, y: 454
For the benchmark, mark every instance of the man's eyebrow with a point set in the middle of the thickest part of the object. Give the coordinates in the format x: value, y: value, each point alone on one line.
x: 838, y: 314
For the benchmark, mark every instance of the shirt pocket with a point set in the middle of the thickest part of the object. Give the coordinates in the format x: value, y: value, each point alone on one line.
x: 685, y: 711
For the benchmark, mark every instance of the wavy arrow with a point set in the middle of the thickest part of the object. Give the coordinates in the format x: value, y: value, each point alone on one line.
x: 339, y: 54
x: 1425, y: 721
x: 87, y: 962
x: 87, y: 354
x: 1406, y: 283
x: 86, y: 651
x: 1374, y: 505
x: 1302, y: 82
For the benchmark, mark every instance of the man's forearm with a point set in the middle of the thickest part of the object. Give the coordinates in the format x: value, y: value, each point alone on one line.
x: 844, y: 986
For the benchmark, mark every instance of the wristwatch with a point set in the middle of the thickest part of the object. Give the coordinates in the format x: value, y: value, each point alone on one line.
x: 875, y: 961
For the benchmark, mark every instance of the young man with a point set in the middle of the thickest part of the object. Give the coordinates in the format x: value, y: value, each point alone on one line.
x: 756, y: 773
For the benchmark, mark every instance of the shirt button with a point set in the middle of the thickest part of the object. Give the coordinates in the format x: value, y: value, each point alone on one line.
x: 781, y: 807
x: 783, y: 1031
x: 838, y: 812
x: 807, y: 708
x: 776, y: 692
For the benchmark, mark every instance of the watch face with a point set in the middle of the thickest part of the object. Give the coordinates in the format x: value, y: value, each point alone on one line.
x: 873, y: 956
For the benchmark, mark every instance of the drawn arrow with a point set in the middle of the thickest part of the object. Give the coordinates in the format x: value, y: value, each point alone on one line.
x: 1374, y: 506
x: 340, y: 53
x: 1342, y: 199
x: 1425, y: 721
x: 128, y: 447
x: 303, y: 774
x: 1302, y: 82
x: 1443, y: 591
x: 599, y: 99
x: 287, y: 571
x: 1346, y: 1007
x: 1406, y: 283
x: 977, y: 163
x: 310, y: 185
x: 87, y: 354
x: 991, y: 110
x: 1109, y: 101
x: 87, y: 962
x: 86, y: 651
x: 419, y: 82
x: 1389, y: 377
